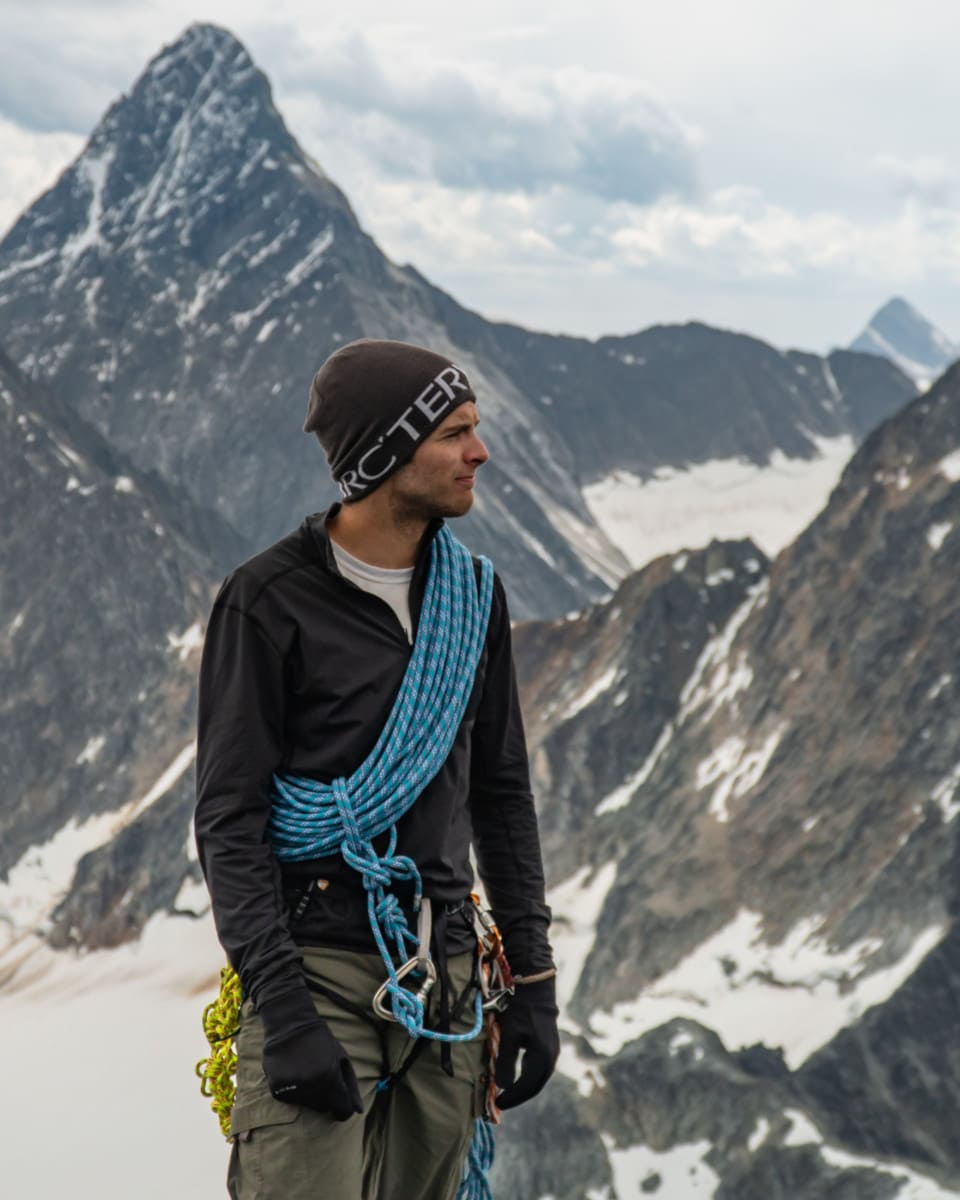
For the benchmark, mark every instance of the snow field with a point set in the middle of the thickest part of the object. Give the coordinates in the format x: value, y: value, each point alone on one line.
x: 98, y: 1054
x: 796, y: 995
x: 726, y: 498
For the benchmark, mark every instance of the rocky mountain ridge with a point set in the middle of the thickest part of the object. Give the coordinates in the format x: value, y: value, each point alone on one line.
x: 188, y: 273
x: 781, y: 877
x: 98, y: 657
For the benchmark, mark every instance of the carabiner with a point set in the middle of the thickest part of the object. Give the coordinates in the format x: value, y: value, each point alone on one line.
x: 381, y: 1009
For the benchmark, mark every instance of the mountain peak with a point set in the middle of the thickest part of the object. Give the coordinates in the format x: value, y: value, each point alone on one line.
x: 197, y: 130
x: 204, y: 55
x: 898, y: 331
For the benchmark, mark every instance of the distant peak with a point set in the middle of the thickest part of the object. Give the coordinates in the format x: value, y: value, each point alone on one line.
x: 897, y: 306
x: 901, y: 333
x: 203, y: 35
x: 200, y: 43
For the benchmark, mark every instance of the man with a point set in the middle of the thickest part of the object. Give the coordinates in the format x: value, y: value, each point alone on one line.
x: 308, y: 647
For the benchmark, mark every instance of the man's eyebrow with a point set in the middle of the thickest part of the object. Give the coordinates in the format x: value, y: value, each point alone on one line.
x: 464, y: 423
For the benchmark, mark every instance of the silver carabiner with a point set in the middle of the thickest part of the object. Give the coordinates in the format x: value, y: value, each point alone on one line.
x: 497, y: 1001
x: 380, y: 1006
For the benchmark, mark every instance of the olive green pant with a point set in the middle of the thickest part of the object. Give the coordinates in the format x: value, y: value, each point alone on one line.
x: 411, y: 1140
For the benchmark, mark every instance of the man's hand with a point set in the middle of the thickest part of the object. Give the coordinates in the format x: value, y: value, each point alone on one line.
x: 528, y: 1024
x: 302, y: 1060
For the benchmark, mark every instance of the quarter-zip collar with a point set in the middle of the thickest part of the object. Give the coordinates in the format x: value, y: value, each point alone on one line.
x: 317, y: 536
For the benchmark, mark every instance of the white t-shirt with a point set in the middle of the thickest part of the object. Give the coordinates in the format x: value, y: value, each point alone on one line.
x: 389, y: 583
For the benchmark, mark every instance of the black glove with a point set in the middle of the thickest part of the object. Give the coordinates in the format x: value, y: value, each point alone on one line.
x: 528, y: 1024
x: 302, y: 1060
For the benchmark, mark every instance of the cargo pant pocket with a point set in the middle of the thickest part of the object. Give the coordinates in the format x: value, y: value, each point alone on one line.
x: 265, y: 1161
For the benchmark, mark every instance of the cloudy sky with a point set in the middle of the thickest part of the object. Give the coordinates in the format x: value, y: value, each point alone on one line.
x: 779, y: 167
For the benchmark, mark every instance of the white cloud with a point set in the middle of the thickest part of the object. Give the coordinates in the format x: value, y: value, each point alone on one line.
x: 929, y: 178
x: 736, y: 231
x: 473, y: 125
x: 31, y: 162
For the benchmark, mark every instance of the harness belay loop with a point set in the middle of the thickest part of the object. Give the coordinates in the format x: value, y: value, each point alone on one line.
x: 310, y: 819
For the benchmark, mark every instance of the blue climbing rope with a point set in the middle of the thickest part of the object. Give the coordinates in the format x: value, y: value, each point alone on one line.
x: 475, y: 1185
x: 310, y: 819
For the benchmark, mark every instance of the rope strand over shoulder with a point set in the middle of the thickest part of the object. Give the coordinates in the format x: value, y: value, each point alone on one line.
x: 310, y: 819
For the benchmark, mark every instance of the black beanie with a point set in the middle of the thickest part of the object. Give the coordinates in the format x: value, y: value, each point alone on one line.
x: 373, y: 402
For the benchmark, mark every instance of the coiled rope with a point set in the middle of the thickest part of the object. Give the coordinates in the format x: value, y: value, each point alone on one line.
x: 221, y: 1020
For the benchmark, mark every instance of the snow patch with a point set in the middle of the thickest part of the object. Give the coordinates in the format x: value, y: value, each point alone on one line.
x: 797, y: 995
x: 914, y: 1186
x: 684, y: 1173
x: 193, y: 897
x: 943, y: 682
x: 712, y: 683
x: 950, y: 466
x: 43, y: 875
x: 584, y: 1072
x: 27, y: 264
x: 576, y: 905
x: 680, y: 1041
x: 595, y: 689
x: 315, y: 252
x: 759, y: 1135
x: 802, y: 1131
x: 735, y: 771
x: 93, y: 171
x: 90, y: 751
x: 937, y: 534
x: 725, y: 498
x: 944, y: 794
x: 621, y: 796
x: 184, y: 643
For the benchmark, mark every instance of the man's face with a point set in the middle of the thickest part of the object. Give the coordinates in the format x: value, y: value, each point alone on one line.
x: 438, y: 481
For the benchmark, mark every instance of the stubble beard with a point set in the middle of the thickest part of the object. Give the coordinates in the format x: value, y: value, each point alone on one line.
x: 418, y: 505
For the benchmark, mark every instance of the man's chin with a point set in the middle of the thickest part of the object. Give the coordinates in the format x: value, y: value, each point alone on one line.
x: 454, y: 506
x: 461, y: 506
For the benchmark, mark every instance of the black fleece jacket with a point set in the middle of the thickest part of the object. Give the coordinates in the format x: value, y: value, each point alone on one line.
x: 299, y: 674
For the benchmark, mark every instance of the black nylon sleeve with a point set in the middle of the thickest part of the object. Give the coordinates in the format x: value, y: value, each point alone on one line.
x: 505, y: 833
x: 239, y: 746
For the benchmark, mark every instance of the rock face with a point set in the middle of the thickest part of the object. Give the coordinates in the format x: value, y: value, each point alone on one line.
x: 98, y: 653
x: 904, y: 336
x: 188, y: 273
x: 774, y: 853
x: 625, y: 664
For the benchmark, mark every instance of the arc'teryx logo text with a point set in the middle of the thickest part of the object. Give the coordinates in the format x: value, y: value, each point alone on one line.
x: 416, y: 421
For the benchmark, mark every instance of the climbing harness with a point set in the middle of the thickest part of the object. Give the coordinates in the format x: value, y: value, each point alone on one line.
x: 310, y: 819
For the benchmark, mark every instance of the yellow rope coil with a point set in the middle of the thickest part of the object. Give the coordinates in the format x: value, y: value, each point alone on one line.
x: 221, y: 1020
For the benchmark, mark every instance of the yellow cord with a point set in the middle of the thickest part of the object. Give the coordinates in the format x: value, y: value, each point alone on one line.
x: 221, y: 1020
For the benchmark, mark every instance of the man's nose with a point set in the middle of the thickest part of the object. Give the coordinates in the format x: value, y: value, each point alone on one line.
x: 476, y: 450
